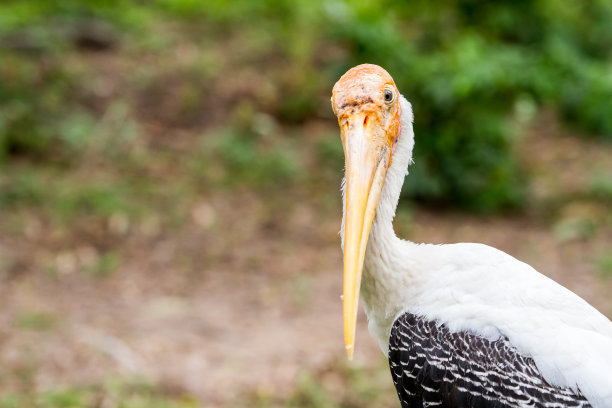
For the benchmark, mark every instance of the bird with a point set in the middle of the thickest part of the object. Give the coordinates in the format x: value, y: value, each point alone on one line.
x: 463, y: 324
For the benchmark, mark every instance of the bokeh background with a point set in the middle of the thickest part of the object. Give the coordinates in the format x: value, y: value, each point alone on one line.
x: 170, y: 172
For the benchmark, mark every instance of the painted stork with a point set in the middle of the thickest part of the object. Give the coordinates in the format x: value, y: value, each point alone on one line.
x: 463, y: 325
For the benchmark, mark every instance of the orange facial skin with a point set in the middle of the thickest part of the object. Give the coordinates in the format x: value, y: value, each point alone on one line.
x: 362, y: 90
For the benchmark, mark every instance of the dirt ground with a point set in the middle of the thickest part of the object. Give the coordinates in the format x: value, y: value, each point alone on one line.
x: 259, y: 303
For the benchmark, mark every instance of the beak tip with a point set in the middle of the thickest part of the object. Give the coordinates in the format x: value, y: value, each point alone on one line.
x: 349, y: 352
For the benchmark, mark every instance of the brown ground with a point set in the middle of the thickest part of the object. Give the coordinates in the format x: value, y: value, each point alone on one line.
x: 246, y: 296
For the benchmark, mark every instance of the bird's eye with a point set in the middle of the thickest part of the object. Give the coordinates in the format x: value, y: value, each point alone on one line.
x: 389, y: 96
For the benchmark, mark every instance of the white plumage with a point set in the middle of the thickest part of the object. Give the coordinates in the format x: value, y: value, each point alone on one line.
x: 477, y: 288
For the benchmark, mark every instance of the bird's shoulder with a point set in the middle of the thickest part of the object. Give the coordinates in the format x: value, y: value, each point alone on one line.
x: 471, y: 271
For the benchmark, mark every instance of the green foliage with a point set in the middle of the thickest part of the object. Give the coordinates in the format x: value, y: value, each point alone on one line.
x: 600, y: 186
x: 90, y: 199
x: 604, y: 265
x: 247, y: 160
x: 64, y: 198
x: 104, y: 266
x: 116, y: 394
x: 464, y: 64
x: 330, y: 151
x: 31, y: 106
x: 35, y: 321
x: 360, y: 387
x: 310, y: 394
x: 50, y: 15
x: 25, y: 187
x: 574, y: 228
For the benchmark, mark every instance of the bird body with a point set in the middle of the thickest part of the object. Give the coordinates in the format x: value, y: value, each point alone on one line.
x: 465, y: 295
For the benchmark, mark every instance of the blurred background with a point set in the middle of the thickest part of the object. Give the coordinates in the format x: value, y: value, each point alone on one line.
x: 170, y: 174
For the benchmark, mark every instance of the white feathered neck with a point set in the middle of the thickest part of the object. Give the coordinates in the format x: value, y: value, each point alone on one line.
x: 482, y: 290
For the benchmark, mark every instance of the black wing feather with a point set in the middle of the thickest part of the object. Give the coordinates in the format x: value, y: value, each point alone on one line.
x: 433, y: 367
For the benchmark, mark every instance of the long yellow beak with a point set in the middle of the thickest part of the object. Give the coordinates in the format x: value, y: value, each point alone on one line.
x: 367, y: 158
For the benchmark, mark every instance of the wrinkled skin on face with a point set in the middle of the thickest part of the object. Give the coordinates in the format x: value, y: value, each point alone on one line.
x: 360, y: 92
x: 366, y: 102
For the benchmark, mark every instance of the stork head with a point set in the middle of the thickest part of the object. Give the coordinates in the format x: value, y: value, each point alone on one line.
x: 366, y: 102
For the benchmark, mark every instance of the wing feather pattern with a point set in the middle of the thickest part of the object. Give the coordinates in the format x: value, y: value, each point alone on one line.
x: 433, y: 367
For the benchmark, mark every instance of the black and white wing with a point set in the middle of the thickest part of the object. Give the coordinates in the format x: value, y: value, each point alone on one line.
x: 433, y: 367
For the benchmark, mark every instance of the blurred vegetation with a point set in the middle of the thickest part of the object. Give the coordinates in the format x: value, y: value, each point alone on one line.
x: 113, y: 394
x: 475, y: 72
x: 343, y: 386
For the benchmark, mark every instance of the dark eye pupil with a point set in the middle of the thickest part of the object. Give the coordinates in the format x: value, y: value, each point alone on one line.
x: 388, y: 95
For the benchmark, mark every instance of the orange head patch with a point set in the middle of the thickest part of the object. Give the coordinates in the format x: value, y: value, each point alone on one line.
x: 369, y: 91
